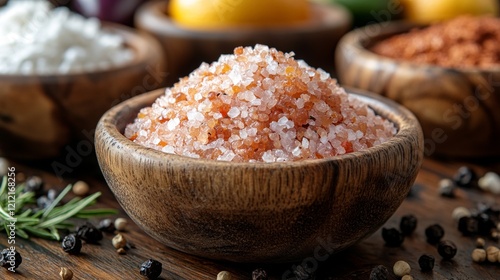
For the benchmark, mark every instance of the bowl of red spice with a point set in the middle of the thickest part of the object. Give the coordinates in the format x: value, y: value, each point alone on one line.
x: 258, y: 157
x: 447, y: 74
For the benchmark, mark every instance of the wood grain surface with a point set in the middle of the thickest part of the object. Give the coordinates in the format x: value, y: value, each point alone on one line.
x: 42, y: 259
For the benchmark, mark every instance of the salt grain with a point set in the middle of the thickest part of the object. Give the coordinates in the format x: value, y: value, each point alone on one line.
x: 258, y: 104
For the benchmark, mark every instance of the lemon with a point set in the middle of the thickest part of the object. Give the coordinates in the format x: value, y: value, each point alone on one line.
x: 207, y: 14
x: 429, y: 11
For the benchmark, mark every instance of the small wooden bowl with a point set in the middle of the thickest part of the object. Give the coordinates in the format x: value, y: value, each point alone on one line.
x: 185, y: 49
x: 457, y: 108
x: 39, y: 114
x: 259, y: 212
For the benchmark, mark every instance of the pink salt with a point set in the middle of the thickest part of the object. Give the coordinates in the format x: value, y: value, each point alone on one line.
x: 258, y: 104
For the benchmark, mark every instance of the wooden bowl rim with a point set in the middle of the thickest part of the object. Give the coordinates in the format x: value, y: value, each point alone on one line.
x: 324, y: 17
x: 134, y: 39
x: 359, y: 38
x: 405, y: 121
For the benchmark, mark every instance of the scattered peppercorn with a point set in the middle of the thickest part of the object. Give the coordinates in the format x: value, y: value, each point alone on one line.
x: 52, y: 194
x: 89, y: 233
x: 478, y: 255
x: 426, y: 262
x: 408, y: 224
x: 10, y: 258
x: 495, y: 235
x: 465, y: 177
x: 80, y: 188
x: 447, y: 249
x: 259, y: 274
x: 121, y: 251
x: 72, y: 244
x: 460, y: 212
x: 66, y: 273
x: 492, y: 253
x: 407, y: 277
x: 224, y: 275
x: 434, y: 233
x: 151, y: 269
x: 447, y: 188
x: 490, y: 182
x: 121, y: 224
x: 119, y: 241
x: 34, y: 184
x: 379, y: 272
x: 401, y: 268
x: 484, y: 224
x: 392, y: 237
x: 43, y: 202
x: 480, y: 242
x: 106, y: 225
x: 468, y: 226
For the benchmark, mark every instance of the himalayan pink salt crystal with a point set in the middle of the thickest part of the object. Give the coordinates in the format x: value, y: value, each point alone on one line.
x: 258, y: 105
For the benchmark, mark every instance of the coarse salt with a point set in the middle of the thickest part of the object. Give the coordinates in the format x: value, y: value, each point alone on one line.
x: 258, y: 105
x: 37, y: 39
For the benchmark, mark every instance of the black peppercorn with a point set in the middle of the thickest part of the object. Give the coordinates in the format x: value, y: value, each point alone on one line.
x: 465, y: 177
x: 379, y: 272
x: 34, y: 184
x: 106, y: 225
x: 10, y: 259
x: 43, y: 202
x: 408, y: 224
x: 426, y: 262
x: 89, y: 233
x: 447, y: 249
x: 447, y: 188
x: 434, y: 233
x: 392, y: 237
x: 484, y: 224
x: 259, y: 274
x: 71, y: 244
x: 468, y: 226
x: 52, y: 194
x: 151, y: 269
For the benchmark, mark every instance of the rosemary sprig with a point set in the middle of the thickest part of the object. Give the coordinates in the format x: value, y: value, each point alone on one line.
x: 44, y: 223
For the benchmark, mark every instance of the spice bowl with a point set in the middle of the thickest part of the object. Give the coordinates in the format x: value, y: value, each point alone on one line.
x: 185, y: 49
x: 457, y: 107
x: 40, y: 114
x: 259, y: 212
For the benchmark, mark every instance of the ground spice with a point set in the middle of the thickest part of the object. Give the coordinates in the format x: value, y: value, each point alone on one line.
x: 258, y: 104
x: 462, y: 42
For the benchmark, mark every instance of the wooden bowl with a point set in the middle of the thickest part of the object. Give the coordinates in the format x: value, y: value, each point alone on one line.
x: 259, y: 212
x: 40, y: 114
x: 457, y: 108
x: 185, y: 49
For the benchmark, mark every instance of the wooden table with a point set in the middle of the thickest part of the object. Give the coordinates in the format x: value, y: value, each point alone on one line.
x: 42, y: 258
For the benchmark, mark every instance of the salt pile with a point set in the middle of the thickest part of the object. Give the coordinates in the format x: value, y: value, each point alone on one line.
x: 37, y: 39
x: 258, y: 104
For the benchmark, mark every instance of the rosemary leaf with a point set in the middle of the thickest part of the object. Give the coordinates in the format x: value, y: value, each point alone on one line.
x: 85, y: 214
x: 56, y: 201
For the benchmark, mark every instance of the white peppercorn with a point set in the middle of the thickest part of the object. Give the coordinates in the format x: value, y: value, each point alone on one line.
x: 66, y: 273
x: 401, y: 268
x: 460, y: 212
x: 80, y: 188
x: 121, y: 251
x: 446, y: 188
x: 407, y: 277
x: 120, y: 224
x: 119, y: 241
x: 490, y: 182
x: 478, y: 255
x: 480, y: 242
x: 492, y: 253
x: 224, y: 275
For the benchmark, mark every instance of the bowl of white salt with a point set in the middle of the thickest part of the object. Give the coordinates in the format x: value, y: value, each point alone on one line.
x: 59, y: 72
x: 258, y: 157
